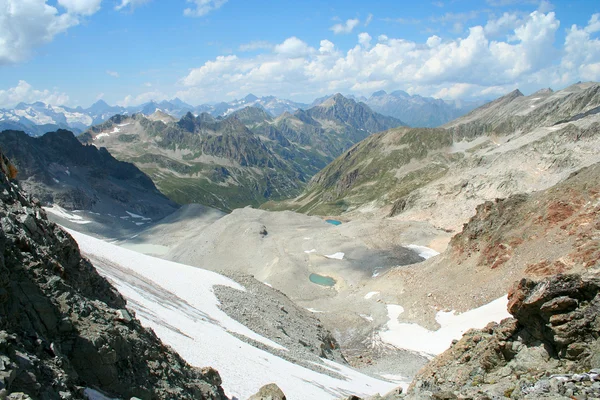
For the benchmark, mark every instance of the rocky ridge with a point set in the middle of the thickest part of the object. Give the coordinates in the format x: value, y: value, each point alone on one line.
x: 64, y: 329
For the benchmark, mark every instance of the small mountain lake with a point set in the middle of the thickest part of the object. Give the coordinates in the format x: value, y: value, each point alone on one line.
x: 333, y: 222
x: 321, y: 280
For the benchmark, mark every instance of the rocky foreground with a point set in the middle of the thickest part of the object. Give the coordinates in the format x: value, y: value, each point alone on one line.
x: 64, y: 330
x: 550, y: 349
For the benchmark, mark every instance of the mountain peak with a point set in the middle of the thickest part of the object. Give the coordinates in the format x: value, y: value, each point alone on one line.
x: 379, y: 93
x: 544, y: 91
x: 400, y: 93
x: 250, y: 98
x: 100, y: 103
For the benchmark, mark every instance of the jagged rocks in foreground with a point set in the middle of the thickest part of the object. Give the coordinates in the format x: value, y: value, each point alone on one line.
x: 550, y: 349
x: 63, y: 328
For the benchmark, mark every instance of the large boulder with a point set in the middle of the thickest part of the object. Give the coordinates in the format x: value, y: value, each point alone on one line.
x: 268, y: 392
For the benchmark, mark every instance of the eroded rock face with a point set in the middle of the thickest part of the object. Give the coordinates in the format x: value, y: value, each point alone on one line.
x: 64, y: 328
x: 554, y: 331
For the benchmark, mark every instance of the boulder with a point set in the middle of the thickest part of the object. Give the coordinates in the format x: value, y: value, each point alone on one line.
x: 268, y: 392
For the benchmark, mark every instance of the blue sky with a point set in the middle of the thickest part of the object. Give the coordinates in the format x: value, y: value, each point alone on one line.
x: 131, y: 51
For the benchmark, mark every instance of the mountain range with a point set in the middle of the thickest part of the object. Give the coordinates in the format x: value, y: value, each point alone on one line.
x: 38, y: 118
x: 242, y: 159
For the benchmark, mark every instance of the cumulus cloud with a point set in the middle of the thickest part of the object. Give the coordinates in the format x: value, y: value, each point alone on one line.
x: 293, y: 48
x: 582, y: 52
x: 82, y: 7
x: 346, y: 27
x: 24, y: 92
x: 203, y: 7
x: 131, y: 4
x: 486, y: 61
x: 27, y: 24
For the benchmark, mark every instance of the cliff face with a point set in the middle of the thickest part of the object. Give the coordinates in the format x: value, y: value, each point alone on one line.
x: 64, y: 328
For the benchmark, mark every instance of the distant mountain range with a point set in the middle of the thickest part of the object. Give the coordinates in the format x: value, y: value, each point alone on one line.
x: 39, y: 118
x: 244, y: 158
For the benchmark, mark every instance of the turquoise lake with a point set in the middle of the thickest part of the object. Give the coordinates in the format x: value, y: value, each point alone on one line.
x: 321, y: 280
x: 333, y: 221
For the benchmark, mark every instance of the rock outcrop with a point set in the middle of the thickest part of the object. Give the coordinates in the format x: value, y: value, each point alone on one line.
x: 64, y: 329
x: 550, y: 349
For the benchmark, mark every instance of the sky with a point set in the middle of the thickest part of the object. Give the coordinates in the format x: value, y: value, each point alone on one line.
x: 127, y: 52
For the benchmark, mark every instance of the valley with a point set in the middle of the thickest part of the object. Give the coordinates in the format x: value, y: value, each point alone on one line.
x: 385, y: 258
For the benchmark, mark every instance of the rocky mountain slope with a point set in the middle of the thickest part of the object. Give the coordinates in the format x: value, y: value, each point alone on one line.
x: 65, y: 330
x: 514, y: 144
x: 525, y: 235
x: 244, y: 159
x: 58, y: 170
x: 219, y: 163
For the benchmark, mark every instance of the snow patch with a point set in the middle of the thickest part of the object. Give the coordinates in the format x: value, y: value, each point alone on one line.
x: 310, y: 251
x: 416, y: 338
x: 61, y: 212
x: 336, y: 256
x: 370, y: 294
x: 101, y: 135
x: 367, y: 317
x: 423, y: 251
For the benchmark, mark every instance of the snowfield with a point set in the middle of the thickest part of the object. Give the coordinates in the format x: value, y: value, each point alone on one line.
x: 61, y: 212
x: 178, y: 303
x: 416, y: 338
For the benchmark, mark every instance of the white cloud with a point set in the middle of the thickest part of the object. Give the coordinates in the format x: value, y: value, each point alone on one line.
x: 364, y: 39
x: 203, y: 7
x: 293, y: 47
x: 256, y: 45
x: 24, y: 92
x: 506, y: 23
x: 142, y: 98
x: 27, y: 24
x: 130, y: 3
x: 327, y: 47
x: 582, y: 53
x: 82, y: 7
x: 472, y: 65
x: 114, y: 74
x: 346, y: 27
x: 369, y: 20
